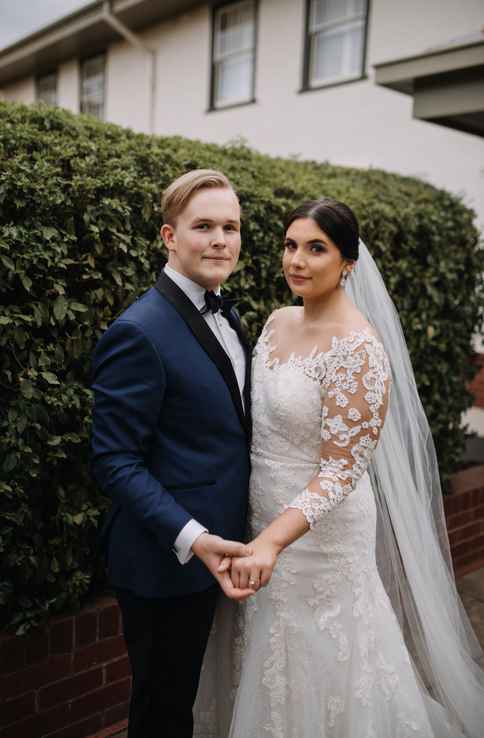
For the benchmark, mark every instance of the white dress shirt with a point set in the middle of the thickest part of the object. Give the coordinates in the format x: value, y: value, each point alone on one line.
x: 229, y: 341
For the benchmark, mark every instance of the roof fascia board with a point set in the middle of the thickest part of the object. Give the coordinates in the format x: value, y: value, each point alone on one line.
x: 402, y: 74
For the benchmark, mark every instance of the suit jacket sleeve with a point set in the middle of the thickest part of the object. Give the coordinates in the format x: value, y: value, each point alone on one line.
x: 129, y: 386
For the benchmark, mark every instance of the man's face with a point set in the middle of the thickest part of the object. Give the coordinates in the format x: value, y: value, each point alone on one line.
x: 204, y: 244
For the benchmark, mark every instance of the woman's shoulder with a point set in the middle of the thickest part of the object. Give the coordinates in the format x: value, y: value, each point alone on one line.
x: 285, y: 314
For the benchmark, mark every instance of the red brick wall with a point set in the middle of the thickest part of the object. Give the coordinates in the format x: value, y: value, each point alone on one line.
x: 464, y: 510
x: 477, y: 384
x: 68, y: 680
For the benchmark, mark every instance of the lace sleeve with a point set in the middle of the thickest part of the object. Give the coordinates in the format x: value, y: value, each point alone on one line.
x: 354, y: 398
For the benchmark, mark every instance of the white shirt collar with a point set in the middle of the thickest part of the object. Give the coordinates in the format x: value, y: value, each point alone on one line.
x: 194, y: 291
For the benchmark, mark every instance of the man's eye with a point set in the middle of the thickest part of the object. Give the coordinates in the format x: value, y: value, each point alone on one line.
x: 203, y: 226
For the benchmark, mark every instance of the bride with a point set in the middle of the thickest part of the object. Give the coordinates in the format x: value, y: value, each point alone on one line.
x: 356, y: 630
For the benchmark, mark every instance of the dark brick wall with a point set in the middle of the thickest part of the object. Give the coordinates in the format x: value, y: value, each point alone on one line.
x: 464, y: 511
x: 67, y: 681
x: 477, y: 384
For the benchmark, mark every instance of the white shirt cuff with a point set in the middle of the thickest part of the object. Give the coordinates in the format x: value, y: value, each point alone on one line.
x: 184, y: 540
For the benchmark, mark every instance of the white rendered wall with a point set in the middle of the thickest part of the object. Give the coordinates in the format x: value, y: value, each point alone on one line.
x: 68, y: 86
x: 22, y: 91
x: 128, y: 86
x: 474, y: 419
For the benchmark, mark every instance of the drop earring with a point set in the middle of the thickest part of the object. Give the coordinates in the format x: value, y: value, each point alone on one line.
x: 344, y: 278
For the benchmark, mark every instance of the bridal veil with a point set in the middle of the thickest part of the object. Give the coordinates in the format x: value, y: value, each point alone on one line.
x: 412, y: 545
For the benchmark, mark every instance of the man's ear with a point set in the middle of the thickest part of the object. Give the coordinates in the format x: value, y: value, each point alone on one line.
x: 167, y: 233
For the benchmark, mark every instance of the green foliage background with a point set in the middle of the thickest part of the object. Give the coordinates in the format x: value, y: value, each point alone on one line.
x: 79, y: 224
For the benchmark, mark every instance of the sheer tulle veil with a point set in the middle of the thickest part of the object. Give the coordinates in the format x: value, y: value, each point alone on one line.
x: 413, y: 549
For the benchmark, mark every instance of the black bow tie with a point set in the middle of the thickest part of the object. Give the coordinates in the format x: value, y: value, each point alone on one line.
x: 214, y: 303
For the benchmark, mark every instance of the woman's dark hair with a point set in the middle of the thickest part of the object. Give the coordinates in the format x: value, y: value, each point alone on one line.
x: 334, y: 218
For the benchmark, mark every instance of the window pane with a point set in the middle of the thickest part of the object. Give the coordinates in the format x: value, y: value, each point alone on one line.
x: 327, y: 56
x: 234, y: 29
x: 234, y: 51
x: 354, y: 51
x: 92, y: 87
x: 328, y: 12
x: 47, y: 89
x: 336, y: 53
x: 324, y: 11
x: 233, y: 79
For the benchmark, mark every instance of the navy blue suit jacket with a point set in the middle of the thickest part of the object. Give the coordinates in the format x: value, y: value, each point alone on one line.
x: 170, y: 440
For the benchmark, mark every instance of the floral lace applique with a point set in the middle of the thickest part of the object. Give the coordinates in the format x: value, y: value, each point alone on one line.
x: 354, y: 375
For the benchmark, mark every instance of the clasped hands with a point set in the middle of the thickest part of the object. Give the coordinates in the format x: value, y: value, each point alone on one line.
x: 239, y: 569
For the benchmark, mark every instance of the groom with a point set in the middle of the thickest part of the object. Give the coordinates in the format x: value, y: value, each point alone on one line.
x: 170, y: 447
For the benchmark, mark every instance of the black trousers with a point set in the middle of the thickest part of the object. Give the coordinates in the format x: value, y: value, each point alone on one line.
x: 166, y: 641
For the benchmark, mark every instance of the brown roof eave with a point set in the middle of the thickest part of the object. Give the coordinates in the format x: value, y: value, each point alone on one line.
x: 403, y: 74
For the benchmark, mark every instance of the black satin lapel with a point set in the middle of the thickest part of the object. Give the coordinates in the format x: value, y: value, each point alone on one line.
x: 205, y: 337
x: 247, y: 391
x: 235, y: 322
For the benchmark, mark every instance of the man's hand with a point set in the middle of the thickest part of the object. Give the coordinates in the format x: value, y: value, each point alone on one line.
x: 212, y: 550
x: 254, y: 570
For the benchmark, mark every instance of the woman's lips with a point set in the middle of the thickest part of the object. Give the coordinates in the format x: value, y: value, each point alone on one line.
x: 298, y: 279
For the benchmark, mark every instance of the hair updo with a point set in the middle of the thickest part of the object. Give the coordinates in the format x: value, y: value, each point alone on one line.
x: 336, y: 219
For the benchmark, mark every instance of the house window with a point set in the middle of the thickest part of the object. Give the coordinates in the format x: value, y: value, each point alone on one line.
x: 233, y: 62
x: 47, y: 89
x: 92, y: 86
x: 335, y: 46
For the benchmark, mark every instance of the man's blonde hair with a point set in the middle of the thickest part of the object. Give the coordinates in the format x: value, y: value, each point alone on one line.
x: 177, y: 195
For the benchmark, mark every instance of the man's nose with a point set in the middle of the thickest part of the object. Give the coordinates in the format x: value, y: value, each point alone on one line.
x: 218, y: 237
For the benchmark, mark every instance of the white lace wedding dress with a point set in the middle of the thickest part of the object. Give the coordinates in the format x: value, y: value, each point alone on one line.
x: 319, y: 652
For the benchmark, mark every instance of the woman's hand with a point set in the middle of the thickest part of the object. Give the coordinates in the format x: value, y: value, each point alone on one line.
x: 255, y: 571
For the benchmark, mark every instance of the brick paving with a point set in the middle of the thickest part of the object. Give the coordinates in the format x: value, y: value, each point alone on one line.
x: 471, y: 590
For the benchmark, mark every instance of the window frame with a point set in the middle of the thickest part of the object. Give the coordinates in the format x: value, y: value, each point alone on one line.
x: 212, y: 106
x: 306, y: 85
x: 82, y: 62
x: 39, y: 78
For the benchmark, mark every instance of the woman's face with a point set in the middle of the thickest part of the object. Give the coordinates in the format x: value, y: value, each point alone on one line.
x: 312, y: 263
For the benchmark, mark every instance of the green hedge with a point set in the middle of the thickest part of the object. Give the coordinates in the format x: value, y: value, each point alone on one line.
x: 79, y: 241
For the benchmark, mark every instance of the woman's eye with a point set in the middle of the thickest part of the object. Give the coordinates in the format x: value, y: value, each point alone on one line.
x: 203, y: 226
x: 317, y: 248
x: 289, y: 246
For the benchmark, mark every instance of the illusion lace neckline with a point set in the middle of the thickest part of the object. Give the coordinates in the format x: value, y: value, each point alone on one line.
x: 314, y: 356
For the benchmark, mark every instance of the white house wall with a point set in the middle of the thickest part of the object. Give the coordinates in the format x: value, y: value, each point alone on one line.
x: 22, y: 91
x: 414, y: 26
x: 127, y: 86
x: 357, y: 124
x: 69, y: 85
